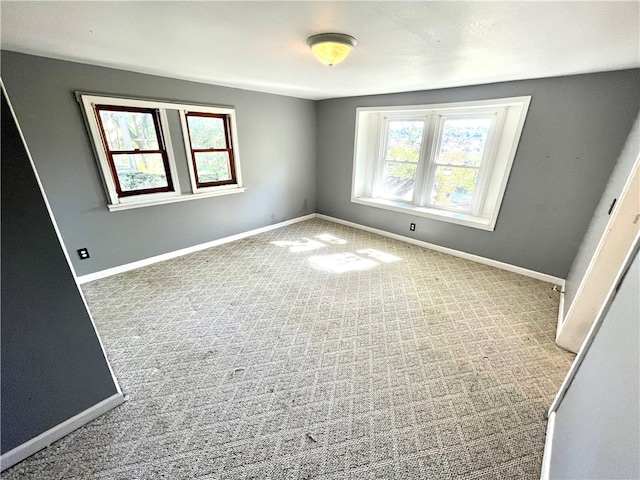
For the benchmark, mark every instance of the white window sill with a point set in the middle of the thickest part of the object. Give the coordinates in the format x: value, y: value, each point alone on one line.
x: 467, y: 220
x: 173, y: 198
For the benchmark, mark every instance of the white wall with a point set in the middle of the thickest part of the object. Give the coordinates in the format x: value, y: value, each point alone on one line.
x: 597, y: 424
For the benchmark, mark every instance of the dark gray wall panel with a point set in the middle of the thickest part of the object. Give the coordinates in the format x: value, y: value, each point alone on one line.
x: 52, y: 364
x: 276, y: 136
x: 615, y: 185
x: 572, y: 137
x: 597, y: 426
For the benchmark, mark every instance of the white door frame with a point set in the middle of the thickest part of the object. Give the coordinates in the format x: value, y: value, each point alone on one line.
x: 605, y: 267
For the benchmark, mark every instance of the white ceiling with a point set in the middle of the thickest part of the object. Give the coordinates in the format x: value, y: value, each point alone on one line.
x: 402, y: 46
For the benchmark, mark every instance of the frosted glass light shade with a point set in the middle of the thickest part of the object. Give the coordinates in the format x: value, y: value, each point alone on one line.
x: 331, y: 48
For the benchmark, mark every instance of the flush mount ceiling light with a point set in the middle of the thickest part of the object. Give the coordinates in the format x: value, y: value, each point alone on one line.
x: 331, y: 48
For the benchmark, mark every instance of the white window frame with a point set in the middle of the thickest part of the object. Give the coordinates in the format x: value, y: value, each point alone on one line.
x: 382, y: 140
x: 115, y: 202
x: 507, y: 116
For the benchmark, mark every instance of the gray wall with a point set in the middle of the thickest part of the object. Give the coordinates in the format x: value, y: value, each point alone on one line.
x: 573, y: 135
x: 292, y: 148
x: 276, y: 137
x: 600, y: 219
x: 52, y: 364
x: 597, y: 428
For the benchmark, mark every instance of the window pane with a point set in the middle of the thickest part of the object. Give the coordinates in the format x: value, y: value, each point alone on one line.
x: 399, y: 179
x: 403, y: 140
x: 206, y: 132
x: 212, y: 166
x: 140, y: 171
x: 463, y: 141
x: 453, y: 187
x: 129, y: 130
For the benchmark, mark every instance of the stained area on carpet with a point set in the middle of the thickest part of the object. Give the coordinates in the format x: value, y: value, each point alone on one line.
x: 317, y: 351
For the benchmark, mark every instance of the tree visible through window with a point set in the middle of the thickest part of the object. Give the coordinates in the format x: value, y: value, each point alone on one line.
x: 135, y: 151
x: 458, y: 162
x: 402, y: 153
x: 451, y: 173
x: 211, y: 148
x: 450, y: 161
x: 132, y: 139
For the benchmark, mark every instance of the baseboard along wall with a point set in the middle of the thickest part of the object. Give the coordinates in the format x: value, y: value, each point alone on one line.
x: 548, y: 447
x: 450, y: 251
x: 185, y: 251
x: 46, y: 438
x: 430, y: 246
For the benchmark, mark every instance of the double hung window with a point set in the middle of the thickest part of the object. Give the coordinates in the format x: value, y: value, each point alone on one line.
x: 448, y: 162
x: 136, y: 158
x: 208, y: 136
x: 401, y: 155
x: 135, y: 150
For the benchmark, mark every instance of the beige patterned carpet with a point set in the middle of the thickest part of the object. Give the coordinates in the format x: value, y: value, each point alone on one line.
x: 318, y: 351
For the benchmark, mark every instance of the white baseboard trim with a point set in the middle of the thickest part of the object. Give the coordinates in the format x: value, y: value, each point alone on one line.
x: 185, y: 251
x: 548, y: 446
x: 450, y: 251
x: 45, y: 439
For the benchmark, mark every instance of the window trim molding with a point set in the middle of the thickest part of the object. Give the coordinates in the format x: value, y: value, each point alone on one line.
x: 233, y: 140
x: 365, y: 168
x: 88, y: 101
x: 109, y: 152
x: 174, y: 198
x: 449, y: 216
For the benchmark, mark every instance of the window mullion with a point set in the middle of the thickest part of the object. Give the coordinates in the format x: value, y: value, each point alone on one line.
x: 418, y: 191
x: 429, y: 159
x: 467, y: 151
x: 168, y: 148
x: 382, y: 148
